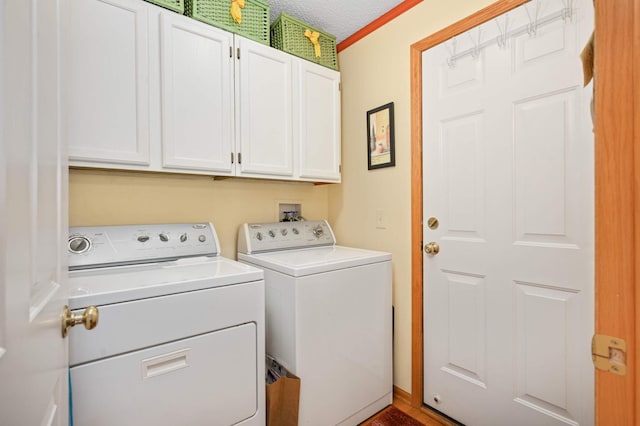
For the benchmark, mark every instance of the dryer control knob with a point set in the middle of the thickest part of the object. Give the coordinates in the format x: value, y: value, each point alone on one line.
x: 202, y: 238
x: 259, y: 236
x: 79, y: 244
x: 164, y: 238
x: 183, y: 237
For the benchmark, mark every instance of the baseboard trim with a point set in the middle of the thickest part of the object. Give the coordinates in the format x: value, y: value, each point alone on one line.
x: 401, y: 394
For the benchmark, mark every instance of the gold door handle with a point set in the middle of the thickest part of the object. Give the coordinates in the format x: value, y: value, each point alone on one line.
x: 89, y: 318
x: 432, y: 248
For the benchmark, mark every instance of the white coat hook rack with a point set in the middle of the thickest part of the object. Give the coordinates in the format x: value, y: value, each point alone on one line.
x: 451, y: 60
x: 501, y: 39
x: 567, y: 12
x: 506, y: 32
x: 475, y: 52
x: 533, y: 20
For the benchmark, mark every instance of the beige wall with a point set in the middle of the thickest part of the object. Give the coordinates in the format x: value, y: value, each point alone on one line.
x: 117, y: 198
x: 375, y: 71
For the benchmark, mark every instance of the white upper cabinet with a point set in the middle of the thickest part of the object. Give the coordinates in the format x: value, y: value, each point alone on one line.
x: 197, y: 95
x: 148, y: 89
x: 263, y: 113
x: 317, y: 122
x: 105, y: 81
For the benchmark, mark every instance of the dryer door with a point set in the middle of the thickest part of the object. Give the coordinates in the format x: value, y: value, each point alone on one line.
x: 208, y: 379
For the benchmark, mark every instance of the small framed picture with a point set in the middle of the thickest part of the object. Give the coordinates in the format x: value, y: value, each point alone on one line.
x: 380, y: 137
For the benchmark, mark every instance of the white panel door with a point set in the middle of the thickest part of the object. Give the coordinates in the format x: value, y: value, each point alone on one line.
x: 263, y: 110
x: 197, y: 95
x: 105, y: 81
x: 33, y: 214
x: 508, y: 172
x: 317, y: 122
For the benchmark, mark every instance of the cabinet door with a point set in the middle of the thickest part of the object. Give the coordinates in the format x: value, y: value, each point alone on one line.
x: 263, y: 116
x: 317, y: 122
x: 197, y: 95
x: 105, y: 81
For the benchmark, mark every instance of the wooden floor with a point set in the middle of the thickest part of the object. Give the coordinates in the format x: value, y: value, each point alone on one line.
x: 401, y: 402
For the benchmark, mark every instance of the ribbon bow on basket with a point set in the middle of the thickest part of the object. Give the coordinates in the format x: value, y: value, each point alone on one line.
x: 313, y: 37
x: 236, y: 13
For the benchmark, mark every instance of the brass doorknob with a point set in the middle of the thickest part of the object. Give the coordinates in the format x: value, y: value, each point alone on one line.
x: 432, y: 248
x: 89, y: 318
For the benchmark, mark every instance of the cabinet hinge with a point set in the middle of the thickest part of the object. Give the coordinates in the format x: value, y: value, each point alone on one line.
x: 231, y: 51
x: 239, y: 158
x: 609, y: 354
x: 232, y: 158
x: 238, y: 49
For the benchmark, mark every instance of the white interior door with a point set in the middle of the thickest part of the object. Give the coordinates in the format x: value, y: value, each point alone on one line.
x: 33, y: 212
x: 508, y: 173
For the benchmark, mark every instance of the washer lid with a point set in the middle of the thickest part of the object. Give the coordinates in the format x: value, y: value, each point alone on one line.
x: 301, y: 262
x: 125, y: 283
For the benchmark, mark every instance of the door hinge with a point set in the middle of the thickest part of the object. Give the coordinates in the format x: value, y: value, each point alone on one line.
x: 609, y: 354
x: 232, y: 158
x: 238, y: 49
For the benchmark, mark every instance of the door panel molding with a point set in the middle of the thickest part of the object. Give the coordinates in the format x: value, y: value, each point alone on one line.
x: 617, y: 203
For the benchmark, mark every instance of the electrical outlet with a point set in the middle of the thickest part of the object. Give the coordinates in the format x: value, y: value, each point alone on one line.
x: 381, y: 221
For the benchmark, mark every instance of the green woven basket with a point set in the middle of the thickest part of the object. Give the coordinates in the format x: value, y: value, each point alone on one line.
x: 255, y: 17
x: 175, y: 5
x: 287, y: 33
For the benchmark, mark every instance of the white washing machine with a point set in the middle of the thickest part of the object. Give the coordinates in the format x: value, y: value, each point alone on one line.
x: 180, y: 336
x: 328, y: 317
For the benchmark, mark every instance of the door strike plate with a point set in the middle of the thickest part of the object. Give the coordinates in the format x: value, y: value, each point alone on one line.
x: 609, y: 354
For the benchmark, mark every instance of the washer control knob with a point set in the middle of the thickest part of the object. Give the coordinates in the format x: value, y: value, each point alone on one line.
x: 295, y: 231
x: 259, y: 236
x: 143, y: 238
x: 318, y: 231
x: 183, y: 237
x: 284, y: 231
x: 202, y: 238
x: 164, y: 237
x: 272, y: 234
x: 79, y: 244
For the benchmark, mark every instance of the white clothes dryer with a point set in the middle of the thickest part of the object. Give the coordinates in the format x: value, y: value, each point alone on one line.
x: 328, y: 318
x: 180, y: 335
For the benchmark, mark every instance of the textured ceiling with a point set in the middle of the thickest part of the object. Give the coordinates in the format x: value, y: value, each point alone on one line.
x: 338, y: 17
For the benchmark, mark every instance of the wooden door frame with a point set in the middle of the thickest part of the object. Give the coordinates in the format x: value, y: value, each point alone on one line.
x: 617, y: 198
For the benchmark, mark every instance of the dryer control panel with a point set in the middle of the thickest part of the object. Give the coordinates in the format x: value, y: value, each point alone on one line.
x: 264, y: 237
x: 101, y: 246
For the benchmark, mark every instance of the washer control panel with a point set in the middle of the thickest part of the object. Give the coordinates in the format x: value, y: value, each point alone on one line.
x: 96, y: 246
x: 263, y: 237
